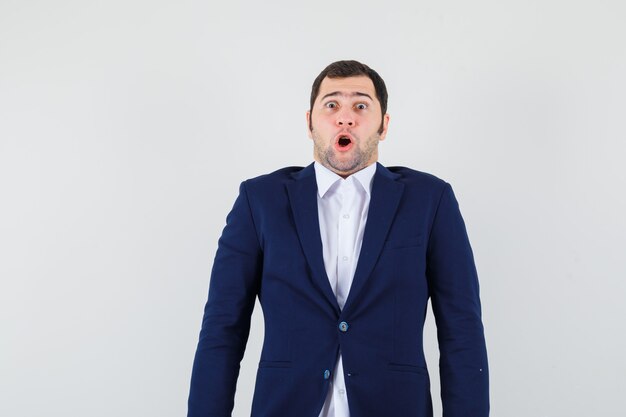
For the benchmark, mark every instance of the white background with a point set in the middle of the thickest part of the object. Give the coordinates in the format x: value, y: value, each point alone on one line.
x: 127, y: 126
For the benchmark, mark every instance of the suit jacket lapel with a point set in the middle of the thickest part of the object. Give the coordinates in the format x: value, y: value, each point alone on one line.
x: 386, y: 194
x: 303, y: 199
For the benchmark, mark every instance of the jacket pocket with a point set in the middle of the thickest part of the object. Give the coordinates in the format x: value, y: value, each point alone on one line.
x: 274, y: 364
x: 403, y: 243
x: 401, y: 367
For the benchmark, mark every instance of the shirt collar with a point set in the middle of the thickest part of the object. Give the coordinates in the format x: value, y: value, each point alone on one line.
x: 326, y: 178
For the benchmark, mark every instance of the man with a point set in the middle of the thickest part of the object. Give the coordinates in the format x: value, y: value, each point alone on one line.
x: 343, y: 256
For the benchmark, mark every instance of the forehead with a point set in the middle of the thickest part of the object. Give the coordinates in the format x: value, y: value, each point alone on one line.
x: 347, y: 86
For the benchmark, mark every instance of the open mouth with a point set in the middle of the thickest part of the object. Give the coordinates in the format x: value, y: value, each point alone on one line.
x: 344, y: 141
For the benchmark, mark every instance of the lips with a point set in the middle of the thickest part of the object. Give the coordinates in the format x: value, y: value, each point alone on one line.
x: 343, y: 142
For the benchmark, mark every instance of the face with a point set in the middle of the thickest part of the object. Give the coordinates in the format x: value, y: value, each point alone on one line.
x: 345, y: 124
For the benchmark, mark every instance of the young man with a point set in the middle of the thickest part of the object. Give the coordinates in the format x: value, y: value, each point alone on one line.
x: 343, y: 256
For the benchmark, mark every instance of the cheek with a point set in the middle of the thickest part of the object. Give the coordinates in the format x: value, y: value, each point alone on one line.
x: 323, y: 127
x: 319, y: 139
x: 321, y: 122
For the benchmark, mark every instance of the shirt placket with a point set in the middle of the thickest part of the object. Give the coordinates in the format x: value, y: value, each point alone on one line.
x: 346, y: 233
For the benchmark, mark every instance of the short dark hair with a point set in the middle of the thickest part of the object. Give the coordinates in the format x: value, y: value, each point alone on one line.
x: 344, y: 69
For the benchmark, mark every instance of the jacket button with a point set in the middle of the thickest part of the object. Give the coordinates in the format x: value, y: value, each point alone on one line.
x: 326, y: 374
x: 343, y: 326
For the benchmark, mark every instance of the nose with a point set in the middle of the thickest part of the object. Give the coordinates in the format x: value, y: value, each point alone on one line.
x: 345, y: 119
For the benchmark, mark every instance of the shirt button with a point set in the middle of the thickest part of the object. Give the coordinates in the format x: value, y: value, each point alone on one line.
x: 345, y: 258
x: 346, y: 216
x: 326, y: 374
x: 342, y: 391
x: 343, y: 326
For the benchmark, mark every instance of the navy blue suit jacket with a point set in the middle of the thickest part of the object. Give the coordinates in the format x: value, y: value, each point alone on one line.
x: 415, y: 246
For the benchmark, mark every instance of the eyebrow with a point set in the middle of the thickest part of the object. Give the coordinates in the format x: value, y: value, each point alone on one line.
x: 339, y: 93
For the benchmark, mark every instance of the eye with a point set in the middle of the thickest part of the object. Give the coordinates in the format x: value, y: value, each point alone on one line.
x: 361, y: 106
x: 331, y: 105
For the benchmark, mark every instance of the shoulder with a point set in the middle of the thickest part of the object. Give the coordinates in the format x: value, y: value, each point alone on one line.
x: 280, y: 176
x: 414, y: 178
x: 421, y: 188
x: 273, y: 183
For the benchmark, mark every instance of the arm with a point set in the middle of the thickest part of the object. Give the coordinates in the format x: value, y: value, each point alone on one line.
x: 234, y: 284
x: 453, y: 283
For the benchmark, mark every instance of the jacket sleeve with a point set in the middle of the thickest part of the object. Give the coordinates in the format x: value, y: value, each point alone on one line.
x: 233, y: 287
x: 454, y: 291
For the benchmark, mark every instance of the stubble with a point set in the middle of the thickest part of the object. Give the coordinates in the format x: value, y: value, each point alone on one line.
x: 359, y: 158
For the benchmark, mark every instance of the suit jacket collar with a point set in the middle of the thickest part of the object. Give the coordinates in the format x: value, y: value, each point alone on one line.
x: 325, y: 178
x: 386, y: 194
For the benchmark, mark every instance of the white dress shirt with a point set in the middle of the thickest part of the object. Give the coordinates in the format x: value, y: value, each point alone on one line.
x: 342, y: 206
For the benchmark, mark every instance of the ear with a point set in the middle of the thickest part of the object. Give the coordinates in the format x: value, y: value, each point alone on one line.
x: 385, y: 126
x: 308, y: 124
